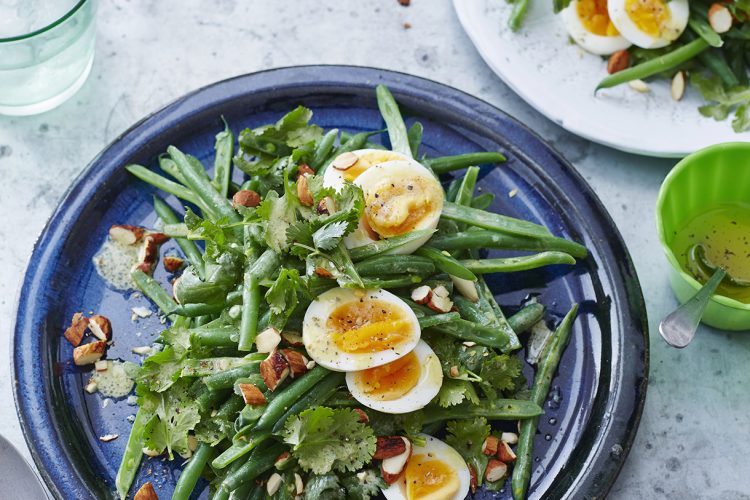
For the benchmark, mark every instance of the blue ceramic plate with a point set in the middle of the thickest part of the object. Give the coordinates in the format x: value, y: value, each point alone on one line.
x: 589, y: 425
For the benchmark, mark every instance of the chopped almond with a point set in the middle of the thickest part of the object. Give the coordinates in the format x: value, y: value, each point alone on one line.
x: 299, y: 485
x: 618, y: 61
x: 490, y: 445
x: 421, y: 294
x: 251, y: 394
x: 325, y: 206
x: 465, y: 287
x: 496, y: 470
x: 639, y: 86
x: 148, y: 254
x: 505, y: 454
x: 303, y: 191
x: 389, y: 446
x: 126, y: 234
x: 245, y: 198
x: 101, y: 365
x: 293, y: 339
x: 472, y: 479
x: 282, y: 460
x: 322, y: 272
x: 172, y: 263
x: 304, y: 169
x: 273, y: 484
x: 297, y: 362
x: 454, y: 373
x: 345, y: 161
x: 363, y: 418
x: 678, y: 85
x: 267, y: 340
x: 87, y: 354
x: 720, y: 18
x: 393, y: 467
x: 509, y: 437
x: 404, y: 3
x: 100, y: 327
x: 274, y: 369
x: 146, y: 492
x: 440, y: 300
x: 77, y: 329
x: 159, y: 238
x: 109, y: 437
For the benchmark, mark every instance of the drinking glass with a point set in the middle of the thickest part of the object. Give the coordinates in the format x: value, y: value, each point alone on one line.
x: 46, y: 52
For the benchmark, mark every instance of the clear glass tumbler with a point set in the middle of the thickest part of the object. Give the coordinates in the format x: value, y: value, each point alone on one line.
x: 46, y: 52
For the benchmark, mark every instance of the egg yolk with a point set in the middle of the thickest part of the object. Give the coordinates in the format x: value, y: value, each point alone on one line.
x: 428, y: 478
x: 392, y: 380
x: 595, y: 18
x: 394, y: 208
x: 365, y: 326
x: 366, y: 161
x: 648, y: 15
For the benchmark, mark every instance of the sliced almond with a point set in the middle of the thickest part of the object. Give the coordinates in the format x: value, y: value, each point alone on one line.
x: 90, y: 353
x: 108, y: 437
x: 473, y: 479
x: 618, y: 61
x: 172, y: 263
x: 77, y: 329
x: 345, y: 161
x: 440, y: 300
x: 304, y: 169
x: 100, y: 327
x: 720, y: 18
x: 394, y: 465
x: 252, y: 394
x: 303, y: 192
x: 509, y: 437
x: 310, y: 364
x: 363, y: 418
x: 293, y: 339
x: 496, y: 470
x: 126, y: 234
x: 389, y: 446
x: 421, y: 294
x: 490, y: 445
x: 273, y: 484
x: 159, y: 238
x: 282, y: 460
x: 91, y: 387
x: 505, y: 454
x: 245, y: 198
x: 325, y: 206
x: 678, y: 85
x: 639, y: 86
x: 101, y: 366
x: 267, y: 340
x: 297, y: 362
x: 274, y: 370
x: 299, y: 485
x: 142, y: 350
x: 146, y: 492
x: 465, y: 287
x: 322, y: 272
x: 454, y: 373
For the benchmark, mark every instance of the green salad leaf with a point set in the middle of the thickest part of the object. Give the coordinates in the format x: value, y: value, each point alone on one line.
x: 282, y: 296
x: 724, y: 101
x: 467, y: 438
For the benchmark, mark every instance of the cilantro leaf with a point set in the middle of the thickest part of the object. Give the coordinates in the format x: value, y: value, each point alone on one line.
x: 364, y: 485
x: 325, y: 439
x: 724, y: 100
x: 329, y: 235
x: 324, y: 486
x: 278, y: 215
x: 467, y: 438
x: 291, y: 131
x: 160, y: 370
x: 501, y: 372
x: 454, y: 392
x: 175, y: 415
x: 282, y: 296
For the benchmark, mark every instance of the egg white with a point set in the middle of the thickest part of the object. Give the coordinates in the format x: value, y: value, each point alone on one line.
x: 590, y: 42
x: 428, y: 385
x: 679, y: 13
x: 442, y: 452
x: 399, y: 171
x: 333, y: 177
x: 317, y: 337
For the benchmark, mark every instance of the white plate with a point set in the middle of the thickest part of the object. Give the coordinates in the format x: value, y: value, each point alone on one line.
x: 558, y: 78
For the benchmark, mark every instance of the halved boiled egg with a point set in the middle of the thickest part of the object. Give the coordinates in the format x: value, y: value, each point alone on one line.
x: 588, y: 24
x: 400, y: 196
x: 406, y: 384
x: 352, y: 329
x: 650, y: 24
x: 348, y: 166
x: 435, y: 471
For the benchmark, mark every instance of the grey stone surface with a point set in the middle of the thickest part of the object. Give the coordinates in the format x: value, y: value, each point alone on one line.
x: 692, y: 441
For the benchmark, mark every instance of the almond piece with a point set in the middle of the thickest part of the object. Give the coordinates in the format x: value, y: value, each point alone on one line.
x: 282, y: 460
x: 293, y: 339
x: 389, y: 446
x: 363, y: 418
x: 101, y: 366
x: 159, y: 238
x: 148, y: 254
x: 440, y: 300
x: 496, y: 470
x: 454, y: 373
x: 325, y: 206
x: 77, y: 329
x: 490, y: 445
x: 618, y: 61
x: 303, y: 192
x: 345, y: 161
x: 146, y: 492
x: 126, y: 234
x: 505, y: 454
x: 394, y: 466
x: 421, y: 294
x: 251, y: 394
x: 322, y: 272
x: 108, y: 437
x: 720, y: 18
x: 172, y: 263
x: 245, y: 198
x: 100, y: 327
x: 297, y: 362
x: 404, y: 3
x: 274, y: 369
x: 465, y: 287
x: 509, y: 437
x: 472, y: 479
x: 639, y: 86
x: 678, y: 85
x: 91, y: 387
x: 274, y: 483
x: 299, y: 485
x: 304, y: 169
x: 87, y: 354
x: 267, y: 340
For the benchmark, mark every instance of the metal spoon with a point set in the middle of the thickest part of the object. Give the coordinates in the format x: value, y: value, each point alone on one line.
x: 18, y: 479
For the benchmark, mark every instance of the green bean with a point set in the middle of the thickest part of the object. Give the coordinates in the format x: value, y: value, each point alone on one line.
x: 466, y: 189
x: 394, y: 264
x: 221, y: 494
x: 499, y: 409
x: 247, y: 491
x: 452, y: 191
x: 714, y: 60
x: 483, y: 201
x: 204, y: 367
x: 500, y: 322
x: 203, y: 188
x: 218, y: 336
x: 198, y: 167
x: 539, y: 391
x: 394, y: 122
x: 415, y: 138
x: 189, y: 248
x: 446, y: 263
x: 445, y: 164
x: 133, y: 454
x: 282, y: 401
x: 656, y: 65
x: 316, y: 396
x: 224, y: 147
x: 513, y: 264
x: 527, y: 317
x: 261, y: 268
x: 492, y: 221
x: 259, y: 462
x: 239, y: 449
x: 438, y: 319
x: 225, y: 380
x: 474, y: 332
x: 472, y: 312
x: 167, y: 165
x: 387, y: 282
x: 387, y: 245
x: 197, y: 309
x: 323, y: 149
x: 517, y: 14
x: 153, y: 290
x: 163, y: 183
x: 700, y: 27
x: 208, y: 399
x: 192, y: 472
x: 490, y: 239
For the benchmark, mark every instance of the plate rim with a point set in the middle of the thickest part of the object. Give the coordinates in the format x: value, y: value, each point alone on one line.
x: 638, y: 312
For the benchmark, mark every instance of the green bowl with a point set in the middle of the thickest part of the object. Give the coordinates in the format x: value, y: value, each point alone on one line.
x: 716, y: 175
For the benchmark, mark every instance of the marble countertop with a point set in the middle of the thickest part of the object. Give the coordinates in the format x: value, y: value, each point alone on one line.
x: 692, y: 441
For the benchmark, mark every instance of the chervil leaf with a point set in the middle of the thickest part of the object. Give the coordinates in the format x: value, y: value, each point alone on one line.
x: 324, y: 439
x: 454, y: 392
x: 329, y: 235
x: 467, y: 438
x: 282, y: 297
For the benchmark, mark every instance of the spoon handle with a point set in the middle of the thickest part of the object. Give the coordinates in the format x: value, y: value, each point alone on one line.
x: 678, y: 329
